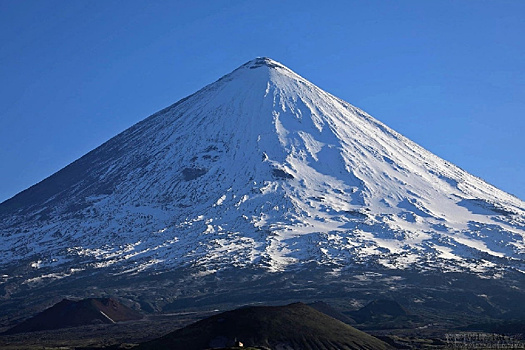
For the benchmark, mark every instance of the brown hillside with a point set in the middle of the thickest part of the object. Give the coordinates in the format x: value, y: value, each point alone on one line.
x: 69, y: 313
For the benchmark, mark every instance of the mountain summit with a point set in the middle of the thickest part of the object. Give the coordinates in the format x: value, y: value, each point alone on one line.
x: 260, y: 169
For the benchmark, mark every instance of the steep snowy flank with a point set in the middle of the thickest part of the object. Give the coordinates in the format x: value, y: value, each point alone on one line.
x: 261, y: 168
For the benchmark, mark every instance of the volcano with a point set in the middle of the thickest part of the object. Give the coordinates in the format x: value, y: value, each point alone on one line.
x: 260, y: 170
x: 70, y: 313
x: 294, y: 326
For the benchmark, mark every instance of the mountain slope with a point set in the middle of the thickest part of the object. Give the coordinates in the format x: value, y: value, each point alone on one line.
x: 259, y: 169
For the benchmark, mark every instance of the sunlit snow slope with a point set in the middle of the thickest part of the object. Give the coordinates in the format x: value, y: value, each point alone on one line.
x: 261, y: 168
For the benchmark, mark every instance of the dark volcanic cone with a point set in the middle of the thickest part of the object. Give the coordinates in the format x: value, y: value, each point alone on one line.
x: 69, y: 313
x: 294, y: 326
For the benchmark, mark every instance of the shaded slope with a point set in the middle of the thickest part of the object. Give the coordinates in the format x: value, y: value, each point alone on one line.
x: 387, y: 314
x: 380, y: 309
x: 297, y: 326
x: 327, y: 309
x: 69, y: 313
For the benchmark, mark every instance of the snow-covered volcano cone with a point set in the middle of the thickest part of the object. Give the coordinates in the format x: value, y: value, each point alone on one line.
x: 261, y: 168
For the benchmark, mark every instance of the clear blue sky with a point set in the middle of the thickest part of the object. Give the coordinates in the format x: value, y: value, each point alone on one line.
x: 450, y: 75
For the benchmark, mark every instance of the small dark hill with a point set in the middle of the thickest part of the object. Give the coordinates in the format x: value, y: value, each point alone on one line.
x: 294, y: 326
x: 330, y: 311
x: 380, y: 310
x: 70, y: 313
